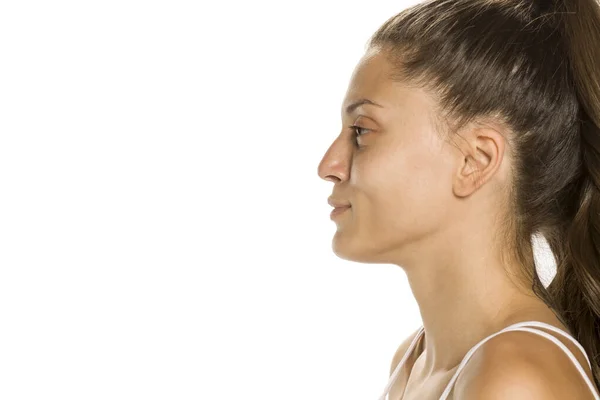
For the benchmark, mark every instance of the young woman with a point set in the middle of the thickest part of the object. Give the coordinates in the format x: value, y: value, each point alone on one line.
x: 468, y: 127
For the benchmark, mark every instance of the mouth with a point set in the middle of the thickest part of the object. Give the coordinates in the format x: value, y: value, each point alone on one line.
x: 339, y: 210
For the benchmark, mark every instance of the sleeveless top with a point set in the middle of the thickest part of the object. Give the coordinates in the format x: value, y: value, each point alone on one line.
x: 519, y: 326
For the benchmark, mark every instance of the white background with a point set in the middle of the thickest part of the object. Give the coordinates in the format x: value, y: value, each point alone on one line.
x: 163, y: 230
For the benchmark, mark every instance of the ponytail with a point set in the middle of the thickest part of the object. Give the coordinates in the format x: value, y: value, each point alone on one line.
x: 576, y: 287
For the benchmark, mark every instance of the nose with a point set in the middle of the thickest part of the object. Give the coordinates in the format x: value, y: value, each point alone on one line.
x: 335, y: 164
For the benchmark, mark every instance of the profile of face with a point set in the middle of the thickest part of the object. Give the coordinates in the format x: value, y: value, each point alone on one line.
x: 392, y: 167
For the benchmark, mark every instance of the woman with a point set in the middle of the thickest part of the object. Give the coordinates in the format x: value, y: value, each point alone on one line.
x: 468, y: 127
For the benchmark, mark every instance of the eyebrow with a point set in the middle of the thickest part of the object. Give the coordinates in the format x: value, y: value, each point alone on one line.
x: 358, y: 103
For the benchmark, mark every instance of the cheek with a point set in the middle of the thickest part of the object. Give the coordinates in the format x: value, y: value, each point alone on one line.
x: 399, y: 188
x: 382, y: 181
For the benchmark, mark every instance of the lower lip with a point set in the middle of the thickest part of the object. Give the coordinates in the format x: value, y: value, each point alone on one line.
x: 338, y: 211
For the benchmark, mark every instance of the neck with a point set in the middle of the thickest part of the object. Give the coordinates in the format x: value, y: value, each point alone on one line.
x: 465, y: 299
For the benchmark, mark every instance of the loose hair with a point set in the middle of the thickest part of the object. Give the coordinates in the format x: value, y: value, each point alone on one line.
x: 533, y: 66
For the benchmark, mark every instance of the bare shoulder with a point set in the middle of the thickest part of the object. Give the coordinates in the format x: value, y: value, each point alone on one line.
x: 402, y: 349
x: 519, y: 365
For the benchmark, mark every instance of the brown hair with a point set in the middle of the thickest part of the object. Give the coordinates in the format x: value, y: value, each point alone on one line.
x: 533, y: 65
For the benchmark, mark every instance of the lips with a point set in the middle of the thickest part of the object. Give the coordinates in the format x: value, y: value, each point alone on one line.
x: 339, y: 210
x: 338, y: 203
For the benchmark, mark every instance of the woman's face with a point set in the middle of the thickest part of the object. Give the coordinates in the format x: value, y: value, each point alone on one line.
x: 396, y: 175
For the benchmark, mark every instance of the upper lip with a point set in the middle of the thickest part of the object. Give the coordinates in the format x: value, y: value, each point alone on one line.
x: 337, y: 203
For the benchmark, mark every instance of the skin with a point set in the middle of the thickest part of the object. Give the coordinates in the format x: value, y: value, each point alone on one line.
x: 429, y: 206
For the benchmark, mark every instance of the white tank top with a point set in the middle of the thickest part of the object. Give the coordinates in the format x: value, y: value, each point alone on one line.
x: 519, y: 326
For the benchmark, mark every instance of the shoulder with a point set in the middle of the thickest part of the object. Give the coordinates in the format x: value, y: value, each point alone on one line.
x: 402, y: 349
x: 520, y: 365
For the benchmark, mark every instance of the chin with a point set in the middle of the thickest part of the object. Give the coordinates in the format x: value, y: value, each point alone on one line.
x: 347, y: 250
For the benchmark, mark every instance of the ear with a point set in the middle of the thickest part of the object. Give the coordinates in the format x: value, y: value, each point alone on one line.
x: 481, y: 154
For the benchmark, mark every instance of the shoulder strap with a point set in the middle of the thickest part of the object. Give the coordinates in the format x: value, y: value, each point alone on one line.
x: 401, y: 363
x: 521, y: 326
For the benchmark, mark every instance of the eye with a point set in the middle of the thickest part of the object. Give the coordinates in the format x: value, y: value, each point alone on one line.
x: 355, y: 129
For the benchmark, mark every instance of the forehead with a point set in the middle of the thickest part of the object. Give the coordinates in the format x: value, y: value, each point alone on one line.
x: 371, y: 79
x: 372, y: 68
